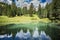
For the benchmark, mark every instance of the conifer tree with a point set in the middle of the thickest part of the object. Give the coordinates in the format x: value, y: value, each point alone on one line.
x: 0, y: 10
x: 56, y: 10
x: 19, y: 11
x: 25, y: 10
x: 31, y: 10
x: 39, y: 11
x: 13, y: 10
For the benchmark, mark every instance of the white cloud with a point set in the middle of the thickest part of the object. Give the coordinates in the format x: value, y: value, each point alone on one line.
x: 9, y: 2
x: 43, y: 5
x: 35, y: 3
x: 19, y: 3
x: 25, y: 4
x: 48, y: 1
x: 1, y: 0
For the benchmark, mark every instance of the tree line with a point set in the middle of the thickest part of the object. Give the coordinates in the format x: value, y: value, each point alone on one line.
x: 12, y: 10
x: 51, y: 11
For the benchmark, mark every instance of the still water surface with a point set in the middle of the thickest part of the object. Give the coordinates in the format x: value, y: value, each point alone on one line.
x: 26, y: 36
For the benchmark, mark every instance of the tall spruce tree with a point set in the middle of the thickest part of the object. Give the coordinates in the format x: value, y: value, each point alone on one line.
x: 31, y: 10
x: 13, y: 10
x: 25, y: 10
x: 49, y: 8
x: 0, y: 9
x: 19, y: 13
x: 56, y: 10
x: 39, y: 11
x: 8, y: 10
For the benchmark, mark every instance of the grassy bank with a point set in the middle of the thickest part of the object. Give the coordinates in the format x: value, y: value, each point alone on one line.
x: 21, y: 19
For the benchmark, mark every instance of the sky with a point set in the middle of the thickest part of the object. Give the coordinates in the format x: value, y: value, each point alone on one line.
x: 36, y: 3
x: 21, y: 3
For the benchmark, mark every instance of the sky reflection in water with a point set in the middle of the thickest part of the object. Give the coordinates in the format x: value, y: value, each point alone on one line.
x: 27, y: 36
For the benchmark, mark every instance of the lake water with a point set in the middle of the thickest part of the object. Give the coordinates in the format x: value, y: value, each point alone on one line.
x: 44, y: 31
x: 36, y: 35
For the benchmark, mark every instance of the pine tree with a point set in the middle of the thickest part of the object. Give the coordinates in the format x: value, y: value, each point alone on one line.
x: 19, y: 13
x: 31, y: 10
x: 39, y: 11
x: 13, y: 10
x: 25, y: 10
x: 56, y: 10
x: 8, y: 10
x: 34, y: 11
x: 0, y: 10
x: 47, y: 8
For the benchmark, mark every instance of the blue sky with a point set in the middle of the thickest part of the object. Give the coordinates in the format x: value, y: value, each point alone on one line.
x: 35, y: 2
x: 31, y: 0
x: 41, y: 1
x: 21, y: 3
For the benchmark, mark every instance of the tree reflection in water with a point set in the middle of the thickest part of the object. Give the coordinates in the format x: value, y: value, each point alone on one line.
x: 27, y: 36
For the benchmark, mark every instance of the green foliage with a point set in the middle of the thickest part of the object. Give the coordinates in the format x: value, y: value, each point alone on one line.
x: 42, y: 12
x: 31, y: 10
x: 39, y: 11
x: 0, y: 10
x: 25, y: 10
x: 3, y: 9
x: 13, y: 10
x: 8, y: 10
x: 34, y: 11
x: 54, y: 10
x: 19, y: 11
x: 51, y: 11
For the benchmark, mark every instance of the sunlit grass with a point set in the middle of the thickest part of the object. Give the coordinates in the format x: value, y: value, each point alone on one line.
x: 21, y: 19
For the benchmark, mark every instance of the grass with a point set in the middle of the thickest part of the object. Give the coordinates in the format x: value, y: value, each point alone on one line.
x: 21, y: 19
